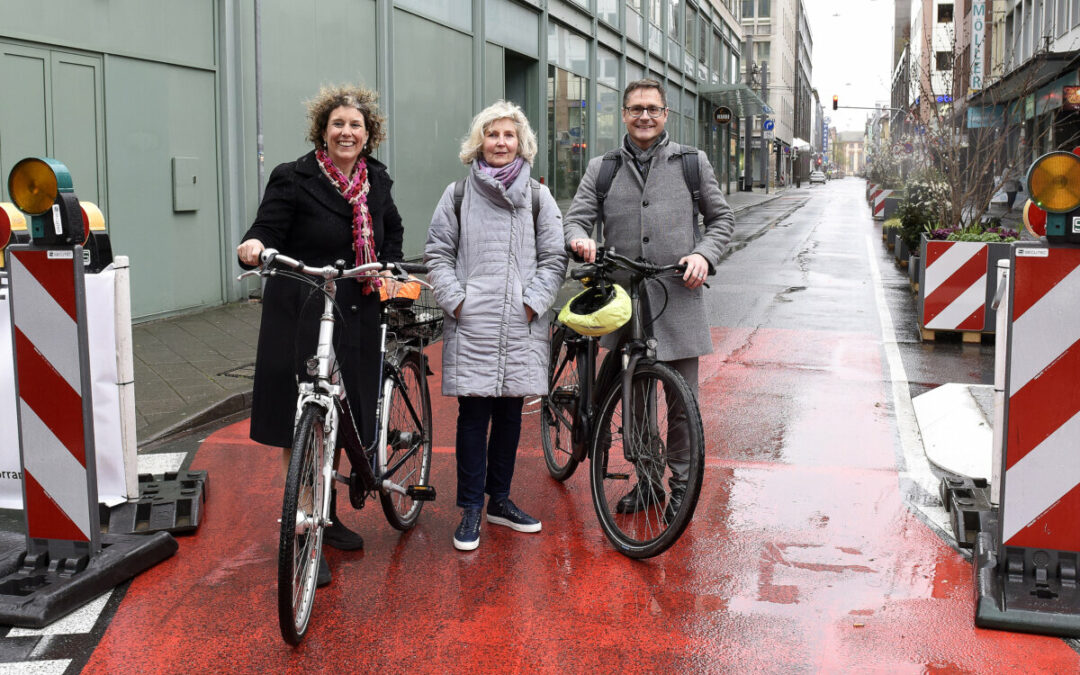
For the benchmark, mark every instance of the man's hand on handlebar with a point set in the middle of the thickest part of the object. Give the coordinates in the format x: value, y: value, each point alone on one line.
x: 697, y: 268
x: 585, y: 248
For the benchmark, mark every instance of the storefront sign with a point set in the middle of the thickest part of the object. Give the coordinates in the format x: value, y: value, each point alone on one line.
x: 1071, y: 98
x: 722, y: 115
x: 978, y: 39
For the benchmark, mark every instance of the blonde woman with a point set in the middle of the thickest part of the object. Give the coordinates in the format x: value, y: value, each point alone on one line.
x: 496, y: 271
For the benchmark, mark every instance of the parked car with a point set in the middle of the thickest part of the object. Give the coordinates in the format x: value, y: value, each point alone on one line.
x: 817, y: 177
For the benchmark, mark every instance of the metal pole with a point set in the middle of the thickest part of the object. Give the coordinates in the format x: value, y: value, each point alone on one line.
x: 764, y: 152
x: 259, y: 97
x: 748, y: 167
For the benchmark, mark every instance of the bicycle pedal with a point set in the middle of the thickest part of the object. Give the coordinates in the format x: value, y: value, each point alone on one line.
x: 421, y: 493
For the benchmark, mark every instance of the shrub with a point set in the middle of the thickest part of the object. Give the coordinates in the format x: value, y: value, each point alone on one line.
x: 924, y: 207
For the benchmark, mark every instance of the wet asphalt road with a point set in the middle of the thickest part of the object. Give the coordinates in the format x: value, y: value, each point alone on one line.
x: 810, y: 550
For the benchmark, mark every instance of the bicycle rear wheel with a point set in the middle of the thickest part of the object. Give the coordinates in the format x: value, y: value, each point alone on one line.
x: 408, y: 439
x: 559, y: 408
x: 631, y: 475
x: 301, y: 526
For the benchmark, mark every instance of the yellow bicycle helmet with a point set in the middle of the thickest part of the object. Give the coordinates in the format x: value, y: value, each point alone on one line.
x: 597, y: 310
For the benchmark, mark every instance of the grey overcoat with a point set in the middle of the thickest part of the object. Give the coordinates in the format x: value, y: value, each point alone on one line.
x: 496, y: 262
x: 654, y: 219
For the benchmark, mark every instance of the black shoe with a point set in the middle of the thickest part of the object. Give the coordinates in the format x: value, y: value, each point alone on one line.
x: 467, y: 535
x: 504, y: 512
x: 323, y: 577
x: 635, y: 501
x: 337, y: 535
x: 674, y: 503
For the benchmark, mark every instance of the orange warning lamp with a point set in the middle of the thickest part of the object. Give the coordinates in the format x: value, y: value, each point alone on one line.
x: 42, y: 188
x: 12, y: 228
x: 1054, y: 186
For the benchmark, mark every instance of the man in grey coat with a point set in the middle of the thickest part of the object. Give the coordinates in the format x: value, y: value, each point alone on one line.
x: 648, y: 211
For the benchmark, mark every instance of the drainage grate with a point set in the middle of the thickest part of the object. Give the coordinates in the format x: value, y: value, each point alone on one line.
x: 247, y: 370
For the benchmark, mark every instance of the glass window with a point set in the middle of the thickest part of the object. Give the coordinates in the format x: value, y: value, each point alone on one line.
x: 607, y: 67
x: 945, y: 12
x: 674, y: 20
x: 567, y: 50
x: 634, y: 22
x: 761, y: 53
x: 748, y: 9
x: 1075, y: 12
x: 715, y: 63
x: 691, y: 29
x: 656, y: 40
x: 656, y: 12
x: 943, y: 60
x: 634, y: 72
x: 608, y: 11
x: 608, y: 120
x: 763, y: 9
x: 703, y: 39
x: 568, y: 116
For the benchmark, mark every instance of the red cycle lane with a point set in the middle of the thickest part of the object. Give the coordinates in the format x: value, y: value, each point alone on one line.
x: 802, y: 557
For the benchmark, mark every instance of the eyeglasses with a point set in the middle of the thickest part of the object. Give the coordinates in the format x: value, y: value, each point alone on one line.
x: 637, y: 111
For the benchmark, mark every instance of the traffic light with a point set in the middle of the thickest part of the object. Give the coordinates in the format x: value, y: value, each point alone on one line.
x: 835, y: 100
x: 776, y: 145
x: 1053, y: 183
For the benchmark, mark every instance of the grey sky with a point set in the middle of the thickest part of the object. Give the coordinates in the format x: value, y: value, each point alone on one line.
x: 852, y: 58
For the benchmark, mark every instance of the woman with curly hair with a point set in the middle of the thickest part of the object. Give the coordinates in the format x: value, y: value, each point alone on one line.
x: 331, y: 204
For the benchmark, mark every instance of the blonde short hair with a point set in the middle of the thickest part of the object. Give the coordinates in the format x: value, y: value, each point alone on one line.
x: 330, y: 99
x: 473, y: 144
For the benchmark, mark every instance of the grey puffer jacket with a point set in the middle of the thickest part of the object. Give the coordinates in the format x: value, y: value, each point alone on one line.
x: 495, y: 263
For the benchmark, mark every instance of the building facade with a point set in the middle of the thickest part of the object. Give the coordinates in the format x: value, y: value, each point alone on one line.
x: 171, y: 114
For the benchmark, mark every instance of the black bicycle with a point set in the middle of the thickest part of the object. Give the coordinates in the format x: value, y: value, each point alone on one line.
x: 637, y: 421
x: 396, y: 465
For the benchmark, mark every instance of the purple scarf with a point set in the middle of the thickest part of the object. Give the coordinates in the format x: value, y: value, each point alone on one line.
x: 504, y: 174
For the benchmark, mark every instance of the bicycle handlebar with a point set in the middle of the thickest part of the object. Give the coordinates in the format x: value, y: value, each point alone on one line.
x: 607, y: 257
x: 337, y: 271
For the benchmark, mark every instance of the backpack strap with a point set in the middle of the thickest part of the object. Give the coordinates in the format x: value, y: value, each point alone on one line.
x: 609, y: 166
x: 459, y: 197
x: 535, y: 201
x: 692, y: 175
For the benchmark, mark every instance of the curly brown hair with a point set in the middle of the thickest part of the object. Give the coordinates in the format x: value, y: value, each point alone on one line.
x: 330, y: 99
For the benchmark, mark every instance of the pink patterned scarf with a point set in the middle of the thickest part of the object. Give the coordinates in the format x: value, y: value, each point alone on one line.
x: 355, y: 191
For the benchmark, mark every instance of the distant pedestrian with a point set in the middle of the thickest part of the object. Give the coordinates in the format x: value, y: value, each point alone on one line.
x: 496, y: 259
x: 331, y: 204
x: 1012, y: 187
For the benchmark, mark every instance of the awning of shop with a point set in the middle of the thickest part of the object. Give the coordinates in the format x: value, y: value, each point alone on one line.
x: 742, y: 100
x: 1026, y: 79
x: 799, y: 144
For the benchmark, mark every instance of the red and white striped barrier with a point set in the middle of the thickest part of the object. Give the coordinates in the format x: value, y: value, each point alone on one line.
x: 872, y: 191
x: 49, y: 332
x: 1041, y: 501
x: 878, y: 204
x: 954, y: 286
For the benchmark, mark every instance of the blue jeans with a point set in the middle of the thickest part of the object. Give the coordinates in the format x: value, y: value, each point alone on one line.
x: 486, y: 463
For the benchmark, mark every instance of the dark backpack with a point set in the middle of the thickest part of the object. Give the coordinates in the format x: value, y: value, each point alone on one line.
x: 459, y: 197
x: 612, y: 162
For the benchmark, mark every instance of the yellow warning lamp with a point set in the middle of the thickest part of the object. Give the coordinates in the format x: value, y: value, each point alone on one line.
x: 97, y: 249
x: 42, y: 188
x: 1054, y: 185
x: 12, y: 228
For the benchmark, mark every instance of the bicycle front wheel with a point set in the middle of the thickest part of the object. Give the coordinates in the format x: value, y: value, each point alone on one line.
x: 647, y: 463
x: 559, y: 408
x: 407, y: 455
x: 301, y: 526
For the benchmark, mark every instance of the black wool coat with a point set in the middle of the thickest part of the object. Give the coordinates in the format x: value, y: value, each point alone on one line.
x: 303, y: 216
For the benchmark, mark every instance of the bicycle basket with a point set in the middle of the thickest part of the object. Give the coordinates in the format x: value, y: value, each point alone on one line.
x: 419, y: 317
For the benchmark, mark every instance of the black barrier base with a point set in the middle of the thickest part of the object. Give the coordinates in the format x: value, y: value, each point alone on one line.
x: 170, y: 502
x: 1034, y: 592
x: 968, y: 502
x: 35, y: 591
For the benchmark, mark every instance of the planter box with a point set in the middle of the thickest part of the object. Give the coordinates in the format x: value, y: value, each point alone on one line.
x: 892, y: 205
x: 913, y: 270
x: 900, y: 251
x: 957, y: 282
x: 892, y: 235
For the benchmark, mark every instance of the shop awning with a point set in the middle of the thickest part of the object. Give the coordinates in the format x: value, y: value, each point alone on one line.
x: 799, y: 144
x: 1026, y: 79
x: 742, y: 100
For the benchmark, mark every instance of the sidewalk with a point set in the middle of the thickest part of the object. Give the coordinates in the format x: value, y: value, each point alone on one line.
x: 197, y: 368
